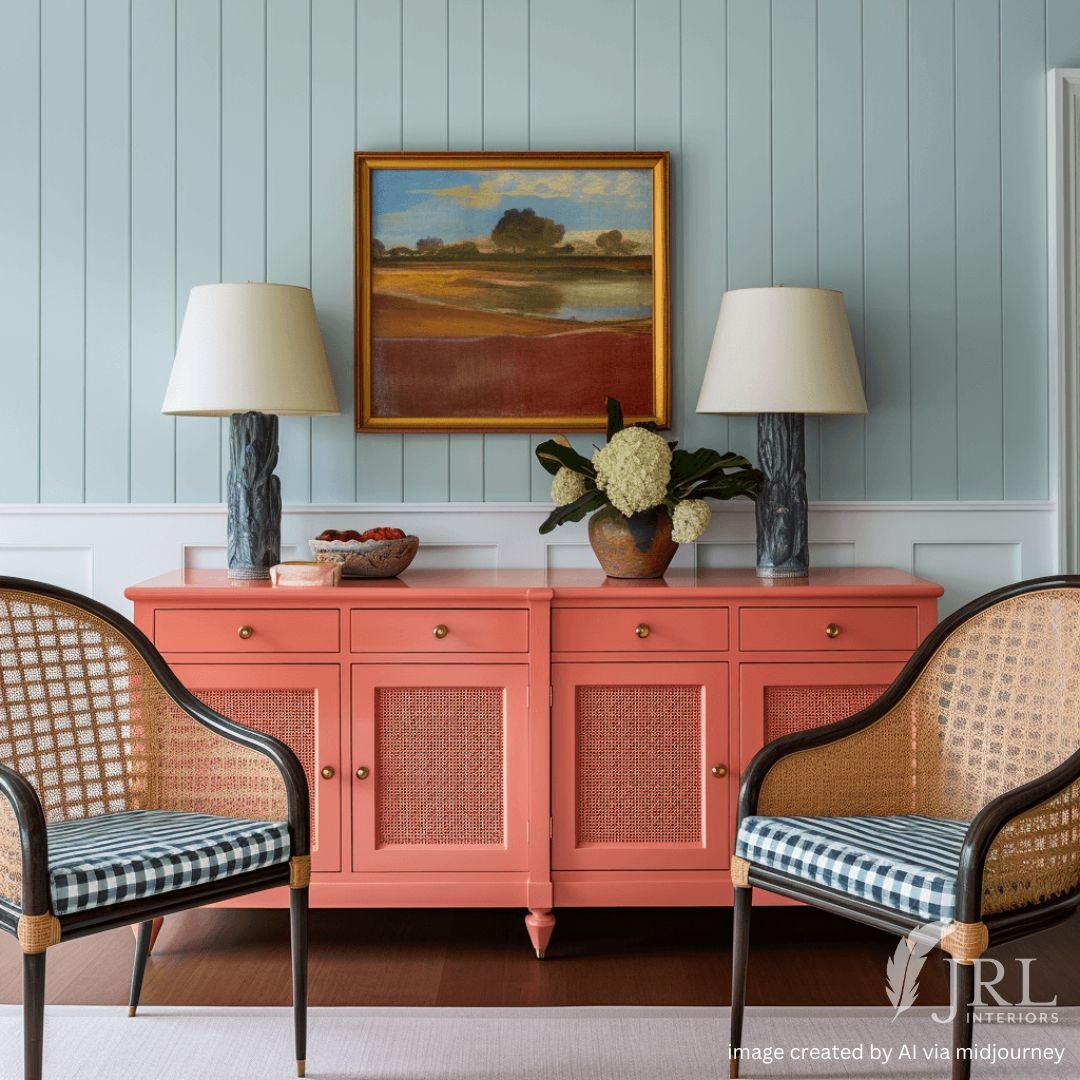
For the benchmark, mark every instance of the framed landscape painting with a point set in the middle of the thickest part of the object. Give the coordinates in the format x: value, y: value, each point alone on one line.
x: 511, y: 291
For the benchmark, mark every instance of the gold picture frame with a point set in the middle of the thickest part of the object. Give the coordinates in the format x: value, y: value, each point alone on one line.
x: 512, y: 313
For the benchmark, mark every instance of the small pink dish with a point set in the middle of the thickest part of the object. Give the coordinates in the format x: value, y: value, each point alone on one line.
x: 305, y: 573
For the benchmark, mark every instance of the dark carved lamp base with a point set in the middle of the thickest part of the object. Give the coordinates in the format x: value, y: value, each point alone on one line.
x: 254, y: 496
x: 782, y: 550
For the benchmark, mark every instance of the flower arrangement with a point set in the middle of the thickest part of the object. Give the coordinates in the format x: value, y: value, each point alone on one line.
x: 639, y: 471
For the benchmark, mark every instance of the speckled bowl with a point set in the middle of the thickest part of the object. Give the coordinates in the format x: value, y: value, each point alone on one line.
x: 367, y: 558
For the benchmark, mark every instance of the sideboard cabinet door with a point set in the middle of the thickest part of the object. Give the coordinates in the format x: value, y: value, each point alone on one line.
x: 439, y: 770
x: 634, y: 749
x: 298, y: 704
x: 777, y: 699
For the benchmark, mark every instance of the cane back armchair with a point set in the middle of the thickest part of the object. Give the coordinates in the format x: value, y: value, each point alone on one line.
x: 125, y: 798
x: 953, y: 800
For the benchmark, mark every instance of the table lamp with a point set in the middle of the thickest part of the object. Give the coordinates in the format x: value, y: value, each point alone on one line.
x: 782, y: 352
x: 251, y: 352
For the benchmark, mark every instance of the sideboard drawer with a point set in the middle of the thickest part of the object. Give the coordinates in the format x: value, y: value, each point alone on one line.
x: 644, y: 629
x: 435, y: 630
x: 246, y: 630
x: 816, y: 629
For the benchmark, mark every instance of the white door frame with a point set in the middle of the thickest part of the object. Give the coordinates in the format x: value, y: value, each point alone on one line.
x: 1063, y: 175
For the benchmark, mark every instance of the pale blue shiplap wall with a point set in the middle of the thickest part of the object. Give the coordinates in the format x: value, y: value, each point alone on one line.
x: 890, y: 148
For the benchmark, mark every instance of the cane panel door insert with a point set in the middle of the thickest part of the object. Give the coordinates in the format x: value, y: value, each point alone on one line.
x: 635, y: 745
x: 778, y: 699
x: 298, y: 704
x: 438, y: 775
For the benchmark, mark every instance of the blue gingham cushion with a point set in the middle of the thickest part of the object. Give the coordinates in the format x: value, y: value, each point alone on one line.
x: 138, y: 853
x: 908, y: 863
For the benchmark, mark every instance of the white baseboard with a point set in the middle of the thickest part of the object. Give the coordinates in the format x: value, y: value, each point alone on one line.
x: 100, y: 549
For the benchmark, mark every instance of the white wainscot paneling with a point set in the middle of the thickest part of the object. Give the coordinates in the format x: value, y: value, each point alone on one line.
x: 968, y: 547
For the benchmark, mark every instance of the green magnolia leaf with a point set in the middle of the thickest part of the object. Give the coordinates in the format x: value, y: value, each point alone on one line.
x: 614, y: 417
x: 553, y: 456
x: 747, y: 482
x: 575, y: 511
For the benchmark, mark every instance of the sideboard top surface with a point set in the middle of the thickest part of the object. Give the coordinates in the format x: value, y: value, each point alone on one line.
x: 830, y: 582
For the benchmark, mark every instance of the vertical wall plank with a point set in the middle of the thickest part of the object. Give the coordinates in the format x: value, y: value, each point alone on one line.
x: 465, y: 131
x: 932, y: 243
x: 425, y: 114
x: 749, y: 166
x: 198, y: 217
x: 980, y: 468
x: 63, y: 249
x: 700, y: 178
x: 288, y: 196
x: 511, y: 472
x: 840, y: 220
x: 243, y: 151
x: 20, y: 193
x: 1062, y: 33
x: 108, y: 239
x: 1023, y: 250
x: 888, y: 375
x: 794, y: 169
x: 378, y: 127
x: 333, y: 123
x: 153, y: 248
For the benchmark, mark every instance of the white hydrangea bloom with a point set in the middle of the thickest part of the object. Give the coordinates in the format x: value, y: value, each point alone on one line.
x: 690, y: 520
x: 567, y: 486
x: 634, y: 470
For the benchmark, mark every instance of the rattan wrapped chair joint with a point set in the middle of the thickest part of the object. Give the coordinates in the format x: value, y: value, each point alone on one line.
x: 97, y: 732
x: 979, y: 737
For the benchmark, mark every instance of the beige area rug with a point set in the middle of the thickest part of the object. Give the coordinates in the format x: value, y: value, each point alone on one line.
x: 98, y: 1043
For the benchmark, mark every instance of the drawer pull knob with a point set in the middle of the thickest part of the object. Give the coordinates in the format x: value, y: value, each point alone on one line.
x: 244, y: 632
x: 718, y: 771
x: 642, y: 630
x: 363, y: 772
x: 832, y: 630
x: 440, y: 631
x: 328, y: 772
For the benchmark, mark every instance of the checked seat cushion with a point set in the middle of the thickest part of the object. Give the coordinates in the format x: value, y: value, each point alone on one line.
x: 133, y: 854
x: 907, y: 863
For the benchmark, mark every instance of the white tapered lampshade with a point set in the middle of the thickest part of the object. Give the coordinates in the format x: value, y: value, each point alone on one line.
x: 782, y: 350
x: 250, y: 347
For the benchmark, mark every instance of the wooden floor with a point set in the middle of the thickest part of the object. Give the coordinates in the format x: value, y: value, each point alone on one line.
x: 608, y: 957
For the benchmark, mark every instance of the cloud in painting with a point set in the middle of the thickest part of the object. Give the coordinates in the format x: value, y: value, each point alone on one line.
x: 625, y: 186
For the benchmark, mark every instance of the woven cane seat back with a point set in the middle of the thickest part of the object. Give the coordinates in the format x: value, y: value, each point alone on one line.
x: 86, y: 722
x: 998, y: 704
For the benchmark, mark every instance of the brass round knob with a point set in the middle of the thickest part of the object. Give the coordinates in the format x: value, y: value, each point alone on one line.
x: 328, y: 772
x: 363, y: 772
x: 832, y: 630
x: 719, y: 770
x: 642, y: 630
x: 244, y: 632
x: 440, y: 631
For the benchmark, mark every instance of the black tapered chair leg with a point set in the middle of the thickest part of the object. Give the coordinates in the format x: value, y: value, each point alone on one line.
x: 142, y: 952
x: 962, y: 1000
x: 740, y: 951
x: 33, y: 1013
x: 298, y: 923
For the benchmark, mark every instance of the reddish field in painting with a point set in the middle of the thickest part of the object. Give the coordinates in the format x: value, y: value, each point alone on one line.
x: 509, y: 375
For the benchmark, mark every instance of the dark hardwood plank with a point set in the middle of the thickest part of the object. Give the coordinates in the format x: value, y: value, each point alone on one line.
x: 482, y: 957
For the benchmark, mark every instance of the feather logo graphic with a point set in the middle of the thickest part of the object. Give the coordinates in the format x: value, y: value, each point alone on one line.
x: 904, y: 966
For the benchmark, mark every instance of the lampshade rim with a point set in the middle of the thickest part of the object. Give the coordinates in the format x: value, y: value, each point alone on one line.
x: 864, y: 411
x: 250, y: 408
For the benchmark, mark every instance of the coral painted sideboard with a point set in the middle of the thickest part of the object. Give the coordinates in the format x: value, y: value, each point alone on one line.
x: 526, y: 738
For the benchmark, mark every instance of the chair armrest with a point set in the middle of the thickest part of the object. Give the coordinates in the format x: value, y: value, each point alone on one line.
x: 24, y: 871
x: 1022, y: 847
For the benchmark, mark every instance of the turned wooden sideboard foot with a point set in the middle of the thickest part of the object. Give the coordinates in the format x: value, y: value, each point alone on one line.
x: 541, y: 925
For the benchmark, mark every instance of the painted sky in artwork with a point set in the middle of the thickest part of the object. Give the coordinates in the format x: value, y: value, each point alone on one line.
x: 465, y: 204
